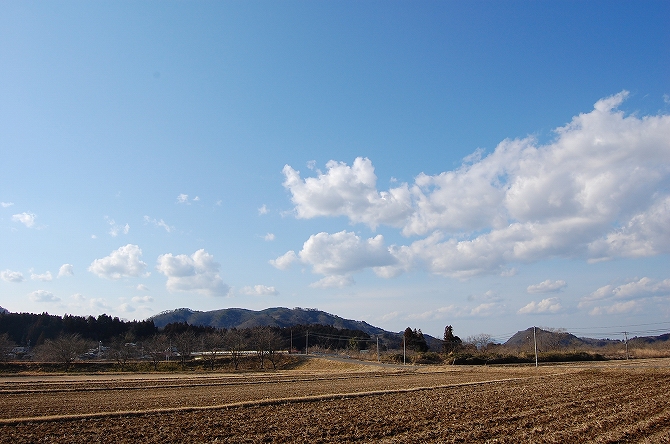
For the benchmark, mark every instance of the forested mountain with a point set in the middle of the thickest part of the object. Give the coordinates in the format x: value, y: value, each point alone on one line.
x: 273, y: 317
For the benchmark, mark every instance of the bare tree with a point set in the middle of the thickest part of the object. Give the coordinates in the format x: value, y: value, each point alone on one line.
x: 212, y: 345
x: 235, y: 342
x: 185, y: 342
x: 157, y: 348
x: 274, y: 354
x: 64, y: 349
x: 122, y: 349
x: 480, y: 341
x: 259, y: 341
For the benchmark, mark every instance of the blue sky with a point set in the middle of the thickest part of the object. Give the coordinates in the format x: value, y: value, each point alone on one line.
x: 487, y: 165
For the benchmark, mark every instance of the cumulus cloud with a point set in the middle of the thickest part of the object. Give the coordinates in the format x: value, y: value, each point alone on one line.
x: 158, y: 223
x: 598, y: 191
x: 263, y: 210
x: 182, y: 199
x: 338, y: 255
x: 43, y: 296
x: 65, y: 270
x: 6, y: 204
x: 547, y: 286
x: 333, y: 281
x: 269, y: 237
x: 198, y: 273
x: 616, y: 308
x: 142, y: 287
x: 124, y: 262
x: 348, y: 191
x: 549, y: 305
x: 284, y: 261
x: 11, y: 276
x: 45, y: 277
x: 611, y: 299
x: 259, y: 290
x: 27, y: 219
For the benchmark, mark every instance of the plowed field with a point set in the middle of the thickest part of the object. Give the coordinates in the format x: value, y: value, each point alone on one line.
x: 450, y: 404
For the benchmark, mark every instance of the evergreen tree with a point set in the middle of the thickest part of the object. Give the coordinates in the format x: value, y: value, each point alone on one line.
x: 450, y: 342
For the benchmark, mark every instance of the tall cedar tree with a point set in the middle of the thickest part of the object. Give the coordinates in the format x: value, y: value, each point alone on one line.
x: 450, y: 342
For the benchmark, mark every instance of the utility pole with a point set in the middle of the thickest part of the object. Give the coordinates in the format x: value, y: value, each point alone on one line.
x: 377, y: 348
x: 307, y: 343
x: 291, y: 348
x: 535, y: 341
x: 403, y: 349
x: 625, y: 335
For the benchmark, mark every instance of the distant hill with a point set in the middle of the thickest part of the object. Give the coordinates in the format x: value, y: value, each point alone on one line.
x: 273, y: 317
x: 3, y: 310
x: 547, y: 339
x: 277, y: 317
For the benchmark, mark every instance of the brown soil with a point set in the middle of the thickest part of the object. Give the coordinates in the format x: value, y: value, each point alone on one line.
x: 516, y: 404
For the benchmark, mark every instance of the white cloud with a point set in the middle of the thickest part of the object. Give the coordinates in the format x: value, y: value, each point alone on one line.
x: 597, y: 191
x: 348, y: 191
x: 142, y: 287
x: 98, y: 304
x: 43, y: 296
x: 637, y: 289
x: 196, y: 199
x: 263, y: 210
x: 617, y: 308
x: 27, y: 219
x: 182, y: 198
x: 93, y: 236
x: 126, y: 308
x: 333, y: 281
x: 269, y: 237
x: 547, y: 286
x: 440, y: 313
x: 284, y: 261
x: 344, y: 252
x: 487, y: 309
x: 78, y: 297
x: 124, y: 262
x: 45, y: 277
x: 338, y: 255
x: 198, y: 273
x: 6, y: 204
x: 159, y: 223
x: 259, y: 290
x: 390, y: 316
x: 611, y: 299
x: 65, y: 270
x: 666, y: 98
x: 11, y: 276
x: 144, y: 299
x: 115, y: 229
x: 549, y: 305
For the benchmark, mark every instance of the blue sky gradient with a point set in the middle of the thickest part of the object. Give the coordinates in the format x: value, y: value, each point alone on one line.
x: 133, y: 135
